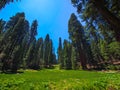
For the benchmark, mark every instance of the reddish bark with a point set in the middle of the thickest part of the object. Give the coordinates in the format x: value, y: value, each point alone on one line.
x: 82, y: 58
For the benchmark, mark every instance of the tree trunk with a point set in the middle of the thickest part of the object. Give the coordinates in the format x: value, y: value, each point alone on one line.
x: 82, y: 58
x: 109, y: 17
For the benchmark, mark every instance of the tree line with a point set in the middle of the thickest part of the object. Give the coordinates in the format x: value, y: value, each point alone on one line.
x: 19, y: 47
x: 96, y: 43
x: 88, y: 49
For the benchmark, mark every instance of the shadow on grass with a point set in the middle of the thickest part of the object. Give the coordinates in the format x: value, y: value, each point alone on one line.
x: 10, y: 72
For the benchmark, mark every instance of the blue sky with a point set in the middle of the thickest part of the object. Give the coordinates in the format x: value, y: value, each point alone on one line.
x: 52, y: 16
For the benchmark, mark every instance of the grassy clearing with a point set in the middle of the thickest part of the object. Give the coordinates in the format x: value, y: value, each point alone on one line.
x: 54, y: 79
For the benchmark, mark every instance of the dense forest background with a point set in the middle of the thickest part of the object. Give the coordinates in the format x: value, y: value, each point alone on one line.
x: 19, y: 47
x: 94, y: 45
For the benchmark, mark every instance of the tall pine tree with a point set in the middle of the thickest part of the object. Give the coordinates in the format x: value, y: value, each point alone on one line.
x: 76, y: 34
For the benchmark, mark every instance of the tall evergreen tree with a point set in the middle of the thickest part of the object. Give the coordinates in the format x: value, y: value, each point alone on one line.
x: 60, y: 54
x: 50, y: 54
x: 40, y: 53
x: 13, y: 20
x: 20, y: 48
x: 2, y: 26
x: 16, y: 35
x: 76, y: 34
x: 33, y: 31
x: 67, y: 55
x: 74, y: 58
x: 30, y: 56
x: 54, y: 57
x: 20, y: 34
x: 96, y: 12
x: 4, y: 2
x: 46, y: 50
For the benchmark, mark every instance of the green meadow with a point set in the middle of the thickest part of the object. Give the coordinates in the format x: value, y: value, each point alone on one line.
x: 54, y: 79
x: 59, y: 44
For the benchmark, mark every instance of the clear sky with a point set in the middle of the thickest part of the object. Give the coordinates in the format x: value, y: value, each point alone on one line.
x: 52, y: 16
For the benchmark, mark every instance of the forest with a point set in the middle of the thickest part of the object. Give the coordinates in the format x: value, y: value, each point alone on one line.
x: 90, y: 55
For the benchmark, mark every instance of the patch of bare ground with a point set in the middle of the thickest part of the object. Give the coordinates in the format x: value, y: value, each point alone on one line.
x: 110, y: 71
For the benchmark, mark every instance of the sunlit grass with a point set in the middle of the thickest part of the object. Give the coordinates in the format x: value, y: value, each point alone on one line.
x: 55, y: 79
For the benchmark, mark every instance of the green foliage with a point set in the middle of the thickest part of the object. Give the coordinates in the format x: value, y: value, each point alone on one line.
x: 33, y: 30
x: 99, y: 14
x: 114, y: 49
x: 11, y: 40
x: 48, y: 52
x: 77, y: 36
x: 54, y: 79
x: 39, y: 53
x: 3, y: 3
x: 30, y: 56
x: 101, y: 24
x: 67, y: 55
x: 104, y: 50
x: 74, y: 58
x: 20, y: 48
x: 60, y: 54
x: 113, y: 67
x: 2, y: 26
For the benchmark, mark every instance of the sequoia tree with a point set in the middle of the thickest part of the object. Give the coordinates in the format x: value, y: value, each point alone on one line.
x: 96, y: 12
x: 76, y: 34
